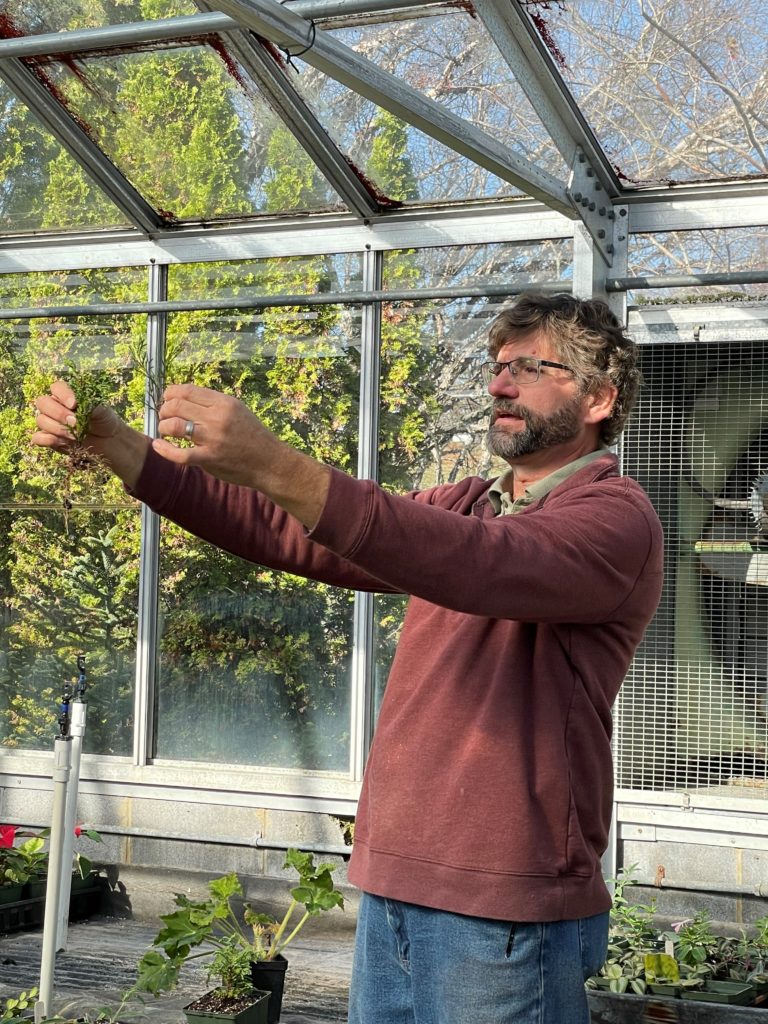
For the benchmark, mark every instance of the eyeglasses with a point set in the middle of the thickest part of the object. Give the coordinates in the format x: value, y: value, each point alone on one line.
x: 523, y: 370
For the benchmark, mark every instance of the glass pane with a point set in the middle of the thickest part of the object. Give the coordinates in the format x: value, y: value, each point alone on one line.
x: 715, y: 251
x: 182, y: 127
x: 69, y: 550
x: 43, y: 187
x: 292, y: 275
x: 254, y: 664
x: 403, y: 163
x: 68, y: 585
x: 73, y: 288
x: 20, y: 17
x: 453, y: 61
x: 516, y: 265
x: 674, y: 91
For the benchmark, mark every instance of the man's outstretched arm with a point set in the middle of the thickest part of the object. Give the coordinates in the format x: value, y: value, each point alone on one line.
x: 228, y: 442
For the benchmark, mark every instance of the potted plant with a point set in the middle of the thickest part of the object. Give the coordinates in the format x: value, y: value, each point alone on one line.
x: 213, y: 925
x: 234, y: 998
x: 689, y: 961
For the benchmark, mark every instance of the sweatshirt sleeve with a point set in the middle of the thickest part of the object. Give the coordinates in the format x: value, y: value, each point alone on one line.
x: 243, y: 522
x: 577, y: 558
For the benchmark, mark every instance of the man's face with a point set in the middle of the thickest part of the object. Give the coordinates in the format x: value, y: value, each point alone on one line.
x: 531, y: 418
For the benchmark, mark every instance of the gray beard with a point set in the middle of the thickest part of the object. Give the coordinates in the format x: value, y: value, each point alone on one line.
x: 540, y: 431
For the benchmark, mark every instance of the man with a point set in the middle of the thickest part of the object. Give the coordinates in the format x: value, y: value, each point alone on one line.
x: 487, y: 795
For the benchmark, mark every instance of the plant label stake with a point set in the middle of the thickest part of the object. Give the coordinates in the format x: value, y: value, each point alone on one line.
x: 62, y: 826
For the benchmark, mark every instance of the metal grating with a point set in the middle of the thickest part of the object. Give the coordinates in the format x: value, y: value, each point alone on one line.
x: 692, y: 712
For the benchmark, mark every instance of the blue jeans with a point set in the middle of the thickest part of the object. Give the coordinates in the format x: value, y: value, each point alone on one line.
x: 414, y: 965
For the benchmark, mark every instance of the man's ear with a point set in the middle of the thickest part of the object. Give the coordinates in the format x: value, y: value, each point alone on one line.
x: 598, y: 407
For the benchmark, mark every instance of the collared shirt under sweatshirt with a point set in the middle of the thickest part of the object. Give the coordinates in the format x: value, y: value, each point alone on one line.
x: 488, y: 790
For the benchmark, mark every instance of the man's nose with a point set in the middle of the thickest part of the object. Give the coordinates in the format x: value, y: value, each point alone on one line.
x: 503, y: 384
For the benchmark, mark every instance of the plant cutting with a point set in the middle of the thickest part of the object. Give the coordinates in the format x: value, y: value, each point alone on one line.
x: 255, y: 939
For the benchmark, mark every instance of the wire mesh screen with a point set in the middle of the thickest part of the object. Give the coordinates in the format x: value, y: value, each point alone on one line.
x: 692, y: 712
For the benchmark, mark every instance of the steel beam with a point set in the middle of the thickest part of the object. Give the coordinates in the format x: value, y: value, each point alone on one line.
x: 350, y: 8
x: 731, y: 277
x: 270, y: 19
x: 71, y: 136
x: 302, y: 123
x: 364, y: 656
x: 536, y: 73
x: 109, y: 36
x: 520, y: 221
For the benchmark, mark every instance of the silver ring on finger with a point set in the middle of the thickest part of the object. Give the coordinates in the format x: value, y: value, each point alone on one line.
x: 189, y: 429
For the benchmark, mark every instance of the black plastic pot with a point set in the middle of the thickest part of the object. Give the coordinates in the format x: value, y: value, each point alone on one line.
x: 269, y: 975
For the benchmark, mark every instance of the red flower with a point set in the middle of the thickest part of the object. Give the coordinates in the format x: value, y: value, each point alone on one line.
x: 78, y: 831
x: 7, y: 835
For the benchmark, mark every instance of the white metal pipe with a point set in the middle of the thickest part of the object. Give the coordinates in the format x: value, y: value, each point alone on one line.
x: 273, y: 301
x: 157, y: 326
x: 78, y: 714
x: 62, y: 767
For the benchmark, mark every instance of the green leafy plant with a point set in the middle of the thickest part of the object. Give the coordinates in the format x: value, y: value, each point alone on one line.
x: 687, y: 956
x: 91, y: 388
x: 214, y: 925
x: 16, y: 1005
x: 29, y: 860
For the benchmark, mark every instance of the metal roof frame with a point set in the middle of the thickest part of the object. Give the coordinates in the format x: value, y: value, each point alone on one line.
x: 662, y: 208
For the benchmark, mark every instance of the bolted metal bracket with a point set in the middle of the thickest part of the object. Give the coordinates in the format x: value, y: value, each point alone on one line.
x: 593, y: 205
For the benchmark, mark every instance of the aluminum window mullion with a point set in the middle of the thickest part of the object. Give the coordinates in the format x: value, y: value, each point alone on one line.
x: 146, y: 644
x: 361, y: 704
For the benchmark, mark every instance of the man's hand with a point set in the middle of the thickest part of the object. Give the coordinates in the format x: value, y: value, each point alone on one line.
x: 121, y: 448
x: 232, y: 444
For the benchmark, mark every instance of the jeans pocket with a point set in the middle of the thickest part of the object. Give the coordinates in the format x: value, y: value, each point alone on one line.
x: 510, y: 941
x: 593, y: 940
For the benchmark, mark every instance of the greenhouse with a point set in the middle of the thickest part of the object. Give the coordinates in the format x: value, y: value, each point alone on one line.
x: 319, y: 206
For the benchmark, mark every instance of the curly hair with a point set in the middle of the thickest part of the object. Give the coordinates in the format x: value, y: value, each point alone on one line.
x: 584, y: 334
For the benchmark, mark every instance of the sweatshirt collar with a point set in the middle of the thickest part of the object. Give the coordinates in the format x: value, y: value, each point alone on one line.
x: 502, y: 502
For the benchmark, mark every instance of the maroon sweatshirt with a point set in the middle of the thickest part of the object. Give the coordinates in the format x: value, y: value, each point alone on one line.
x: 489, y: 786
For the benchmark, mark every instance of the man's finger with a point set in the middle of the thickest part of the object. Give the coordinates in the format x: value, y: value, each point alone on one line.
x: 61, y: 390
x: 178, y: 426
x: 43, y: 439
x: 172, y: 452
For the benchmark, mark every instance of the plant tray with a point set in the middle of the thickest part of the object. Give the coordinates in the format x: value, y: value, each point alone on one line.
x: 29, y: 913
x: 256, y: 1013
x: 723, y: 992
x: 658, y: 988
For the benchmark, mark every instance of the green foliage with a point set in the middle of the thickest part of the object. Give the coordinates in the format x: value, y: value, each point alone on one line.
x: 661, y: 967
x: 230, y: 941
x: 20, y: 863
x: 389, y: 164
x: 231, y: 966
x: 15, y: 1006
x: 639, y: 954
x: 92, y: 387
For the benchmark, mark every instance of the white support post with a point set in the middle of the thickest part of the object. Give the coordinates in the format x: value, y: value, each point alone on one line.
x: 79, y: 710
x: 62, y: 767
